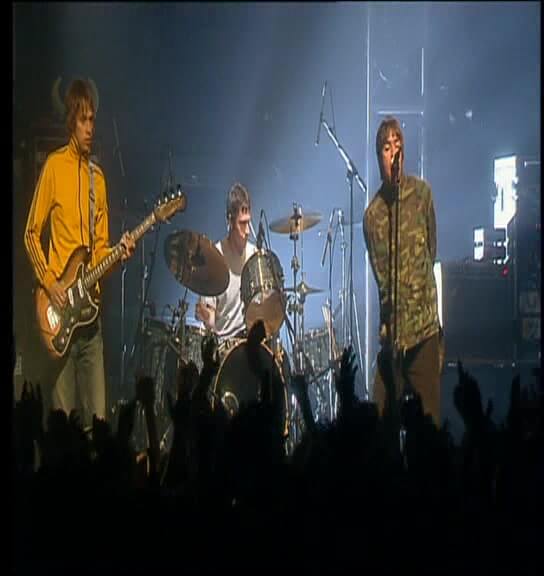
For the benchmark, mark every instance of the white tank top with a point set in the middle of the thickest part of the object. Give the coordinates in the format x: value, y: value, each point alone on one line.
x: 229, y: 311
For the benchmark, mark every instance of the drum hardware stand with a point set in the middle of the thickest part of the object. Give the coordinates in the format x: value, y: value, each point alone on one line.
x: 301, y: 362
x: 295, y: 266
x: 295, y: 308
x: 291, y: 332
x: 331, y: 241
x: 178, y: 334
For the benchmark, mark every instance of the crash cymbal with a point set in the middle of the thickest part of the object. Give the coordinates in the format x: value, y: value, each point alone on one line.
x: 196, y: 263
x: 289, y: 225
x: 304, y: 289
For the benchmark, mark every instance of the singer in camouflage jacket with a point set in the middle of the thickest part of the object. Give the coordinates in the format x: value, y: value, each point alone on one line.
x: 418, y: 310
x: 418, y: 339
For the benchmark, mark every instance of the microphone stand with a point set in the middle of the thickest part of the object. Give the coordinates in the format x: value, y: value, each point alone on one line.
x: 352, y: 173
x: 139, y: 335
x: 393, y: 374
x: 332, y: 392
x: 117, y: 151
x: 344, y: 287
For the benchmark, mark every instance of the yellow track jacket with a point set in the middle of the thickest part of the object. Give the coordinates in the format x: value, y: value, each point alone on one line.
x: 63, y: 195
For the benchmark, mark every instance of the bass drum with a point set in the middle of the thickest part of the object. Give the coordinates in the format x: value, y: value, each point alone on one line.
x: 238, y: 384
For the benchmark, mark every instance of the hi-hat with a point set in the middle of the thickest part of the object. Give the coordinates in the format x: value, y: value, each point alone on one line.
x: 196, y: 263
x: 295, y: 223
x: 304, y: 289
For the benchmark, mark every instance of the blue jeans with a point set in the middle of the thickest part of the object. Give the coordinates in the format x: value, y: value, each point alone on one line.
x: 81, y: 384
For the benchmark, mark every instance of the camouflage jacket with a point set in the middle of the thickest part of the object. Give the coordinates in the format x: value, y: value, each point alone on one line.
x: 418, y: 309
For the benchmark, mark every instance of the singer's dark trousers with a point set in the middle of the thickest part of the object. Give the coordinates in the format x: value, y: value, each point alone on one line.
x: 420, y: 367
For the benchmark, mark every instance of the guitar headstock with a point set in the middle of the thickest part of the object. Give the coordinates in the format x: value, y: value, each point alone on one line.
x: 167, y: 207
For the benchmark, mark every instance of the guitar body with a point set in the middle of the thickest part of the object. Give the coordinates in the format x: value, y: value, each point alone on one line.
x: 57, y: 327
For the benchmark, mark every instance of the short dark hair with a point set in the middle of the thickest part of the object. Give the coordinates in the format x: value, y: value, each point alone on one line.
x: 388, y: 124
x: 78, y: 95
x: 237, y: 197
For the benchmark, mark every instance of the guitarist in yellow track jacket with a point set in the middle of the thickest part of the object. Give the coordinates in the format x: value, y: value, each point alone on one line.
x: 63, y: 196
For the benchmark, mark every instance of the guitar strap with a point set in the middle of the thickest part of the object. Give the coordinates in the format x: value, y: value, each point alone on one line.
x: 91, y: 207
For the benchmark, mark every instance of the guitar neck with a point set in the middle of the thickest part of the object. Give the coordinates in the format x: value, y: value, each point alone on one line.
x: 94, y: 274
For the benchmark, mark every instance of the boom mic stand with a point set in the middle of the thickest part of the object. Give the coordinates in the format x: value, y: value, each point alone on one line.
x: 139, y: 335
x: 351, y: 174
x: 117, y: 151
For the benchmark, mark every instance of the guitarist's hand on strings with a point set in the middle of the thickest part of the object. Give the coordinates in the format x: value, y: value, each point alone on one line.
x: 128, y: 244
x: 57, y: 295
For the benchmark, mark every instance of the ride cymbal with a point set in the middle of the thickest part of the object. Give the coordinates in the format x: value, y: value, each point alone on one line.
x: 196, y: 263
x: 295, y: 223
x: 304, y: 289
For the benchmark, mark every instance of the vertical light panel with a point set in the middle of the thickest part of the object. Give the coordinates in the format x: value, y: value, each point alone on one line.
x: 367, y: 200
x: 437, y: 270
x: 504, y: 208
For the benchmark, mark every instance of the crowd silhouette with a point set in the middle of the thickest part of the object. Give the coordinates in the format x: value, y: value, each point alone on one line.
x: 228, y: 497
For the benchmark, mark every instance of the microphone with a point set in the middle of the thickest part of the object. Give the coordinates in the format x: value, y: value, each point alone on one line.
x: 395, y: 166
x: 260, y: 235
x: 117, y: 148
x: 324, y: 89
x: 328, y: 239
x: 252, y: 230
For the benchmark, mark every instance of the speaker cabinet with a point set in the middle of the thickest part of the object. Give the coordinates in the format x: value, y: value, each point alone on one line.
x: 477, y: 303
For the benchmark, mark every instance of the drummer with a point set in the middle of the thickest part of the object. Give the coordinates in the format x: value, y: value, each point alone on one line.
x: 224, y: 314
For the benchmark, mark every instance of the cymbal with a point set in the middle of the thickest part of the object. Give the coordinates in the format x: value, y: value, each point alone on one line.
x: 289, y: 225
x: 196, y: 263
x: 304, y: 289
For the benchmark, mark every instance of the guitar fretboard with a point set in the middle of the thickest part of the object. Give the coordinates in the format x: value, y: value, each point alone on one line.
x: 94, y: 274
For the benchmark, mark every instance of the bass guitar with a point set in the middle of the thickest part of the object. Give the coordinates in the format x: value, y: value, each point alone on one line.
x: 57, y: 327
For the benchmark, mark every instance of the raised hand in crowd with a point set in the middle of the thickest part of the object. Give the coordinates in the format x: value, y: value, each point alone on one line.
x: 345, y: 379
x: 256, y: 335
x: 31, y: 409
x: 145, y: 393
x: 101, y: 435
x: 125, y: 423
x: 210, y: 363
x: 299, y: 385
x: 28, y: 422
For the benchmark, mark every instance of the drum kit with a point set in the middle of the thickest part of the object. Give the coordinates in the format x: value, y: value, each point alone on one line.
x: 199, y: 267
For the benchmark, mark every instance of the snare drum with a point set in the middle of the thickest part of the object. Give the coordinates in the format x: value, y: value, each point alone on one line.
x: 261, y: 288
x: 192, y: 344
x: 237, y: 384
x: 316, y: 346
